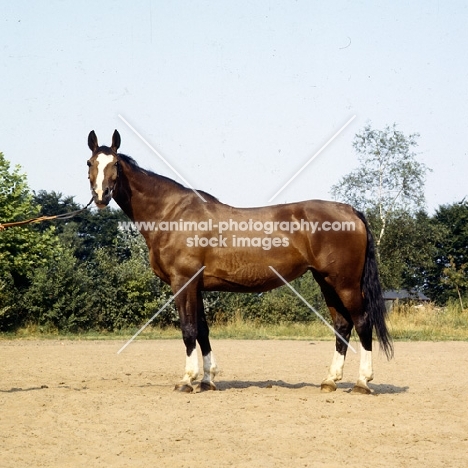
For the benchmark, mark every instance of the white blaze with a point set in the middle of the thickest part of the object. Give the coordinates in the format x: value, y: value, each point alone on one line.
x: 102, y: 161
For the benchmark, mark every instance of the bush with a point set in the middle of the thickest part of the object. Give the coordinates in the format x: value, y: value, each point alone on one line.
x: 58, y: 297
x: 277, y: 306
x: 124, y: 293
x: 102, y: 293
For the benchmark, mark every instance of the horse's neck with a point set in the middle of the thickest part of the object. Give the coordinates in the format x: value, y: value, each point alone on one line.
x: 145, y: 197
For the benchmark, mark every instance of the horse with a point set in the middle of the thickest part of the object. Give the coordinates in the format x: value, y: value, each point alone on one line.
x: 186, y: 232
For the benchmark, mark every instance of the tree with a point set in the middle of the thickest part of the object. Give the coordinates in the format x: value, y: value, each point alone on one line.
x: 60, y: 296
x: 53, y: 203
x: 126, y: 292
x: 15, y: 196
x: 407, y: 250
x: 99, y: 229
x: 388, y: 179
x: 21, y: 248
x: 456, y: 277
x: 3, y: 300
x: 451, y: 222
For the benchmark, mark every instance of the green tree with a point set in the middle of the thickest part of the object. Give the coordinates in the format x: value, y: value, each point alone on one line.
x: 389, y: 177
x: 3, y: 300
x: 125, y: 291
x: 456, y: 278
x: 388, y: 186
x: 53, y: 203
x: 103, y: 292
x: 99, y: 229
x: 85, y: 232
x: 451, y: 223
x: 22, y: 248
x: 407, y: 250
x: 60, y: 296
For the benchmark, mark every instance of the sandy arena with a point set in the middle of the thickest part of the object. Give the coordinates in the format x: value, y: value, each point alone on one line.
x: 79, y: 404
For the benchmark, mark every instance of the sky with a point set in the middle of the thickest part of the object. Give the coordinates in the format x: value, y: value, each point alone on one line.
x: 236, y: 95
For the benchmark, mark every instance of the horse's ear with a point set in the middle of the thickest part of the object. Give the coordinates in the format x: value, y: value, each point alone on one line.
x: 92, y: 141
x: 115, y: 141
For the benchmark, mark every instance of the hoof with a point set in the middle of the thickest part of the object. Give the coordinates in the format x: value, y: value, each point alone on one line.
x: 361, y: 389
x: 328, y: 387
x: 206, y: 386
x: 183, y: 388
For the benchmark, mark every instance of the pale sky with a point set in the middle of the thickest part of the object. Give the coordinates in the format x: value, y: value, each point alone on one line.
x: 236, y: 95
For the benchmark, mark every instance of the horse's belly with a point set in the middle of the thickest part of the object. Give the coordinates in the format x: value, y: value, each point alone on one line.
x: 250, y: 277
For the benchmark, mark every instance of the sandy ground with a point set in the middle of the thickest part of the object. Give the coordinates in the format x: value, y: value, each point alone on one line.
x: 77, y: 404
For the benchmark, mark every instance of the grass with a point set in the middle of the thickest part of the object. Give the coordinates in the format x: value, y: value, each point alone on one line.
x: 429, y: 323
x: 405, y: 322
x: 238, y: 328
x: 234, y: 329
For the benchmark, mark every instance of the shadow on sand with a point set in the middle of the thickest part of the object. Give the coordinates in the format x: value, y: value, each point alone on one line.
x: 239, y: 384
x: 19, y: 389
x: 377, y: 389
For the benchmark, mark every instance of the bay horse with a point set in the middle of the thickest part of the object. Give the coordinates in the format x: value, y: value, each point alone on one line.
x: 185, y: 231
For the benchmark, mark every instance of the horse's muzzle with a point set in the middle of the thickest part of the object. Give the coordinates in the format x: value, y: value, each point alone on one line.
x: 102, y: 198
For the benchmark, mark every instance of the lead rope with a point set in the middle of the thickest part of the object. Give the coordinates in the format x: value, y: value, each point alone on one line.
x: 40, y: 219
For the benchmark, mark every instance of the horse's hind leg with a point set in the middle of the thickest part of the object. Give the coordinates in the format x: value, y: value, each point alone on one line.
x: 343, y: 327
x: 350, y: 313
x: 366, y: 373
x: 210, y: 368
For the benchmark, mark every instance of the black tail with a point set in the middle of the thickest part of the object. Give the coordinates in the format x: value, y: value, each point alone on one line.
x: 374, y: 305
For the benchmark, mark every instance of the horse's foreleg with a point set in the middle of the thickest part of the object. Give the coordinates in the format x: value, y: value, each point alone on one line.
x: 335, y: 373
x: 186, y: 303
x: 210, y: 368
x: 191, y: 361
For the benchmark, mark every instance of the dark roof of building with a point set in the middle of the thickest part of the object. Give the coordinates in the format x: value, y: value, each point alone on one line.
x: 394, y: 294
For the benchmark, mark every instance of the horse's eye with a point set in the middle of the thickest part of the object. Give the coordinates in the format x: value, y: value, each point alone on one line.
x: 88, y: 163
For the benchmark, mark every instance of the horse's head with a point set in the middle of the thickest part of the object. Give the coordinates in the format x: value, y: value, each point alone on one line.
x: 103, y: 168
